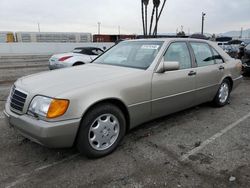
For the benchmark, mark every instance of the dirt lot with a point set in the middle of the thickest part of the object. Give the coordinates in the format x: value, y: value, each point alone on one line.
x: 199, y: 147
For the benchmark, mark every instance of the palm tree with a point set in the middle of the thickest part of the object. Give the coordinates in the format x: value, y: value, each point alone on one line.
x: 156, y: 5
x: 152, y: 19
x: 158, y: 17
x: 145, y: 2
x: 142, y: 14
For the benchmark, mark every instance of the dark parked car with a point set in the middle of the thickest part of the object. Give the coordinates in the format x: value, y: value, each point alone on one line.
x: 247, y: 51
x: 246, y: 60
x: 231, y: 50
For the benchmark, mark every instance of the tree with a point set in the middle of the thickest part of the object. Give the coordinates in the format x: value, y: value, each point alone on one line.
x: 151, y: 21
x: 181, y: 34
x: 156, y: 5
x: 145, y: 2
x: 155, y: 11
x: 158, y: 18
x: 142, y: 14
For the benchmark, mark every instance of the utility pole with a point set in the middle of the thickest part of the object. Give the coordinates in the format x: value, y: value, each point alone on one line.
x: 38, y: 24
x: 99, y: 28
x: 202, y: 24
x: 241, y: 32
x: 119, y: 30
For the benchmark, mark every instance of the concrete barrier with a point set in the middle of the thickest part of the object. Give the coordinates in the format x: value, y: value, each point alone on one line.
x: 7, y: 49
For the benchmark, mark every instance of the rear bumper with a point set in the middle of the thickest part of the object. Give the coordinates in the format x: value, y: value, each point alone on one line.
x: 246, y: 68
x: 51, y: 134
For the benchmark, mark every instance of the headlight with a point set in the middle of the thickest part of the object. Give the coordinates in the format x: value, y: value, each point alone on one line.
x: 48, y: 107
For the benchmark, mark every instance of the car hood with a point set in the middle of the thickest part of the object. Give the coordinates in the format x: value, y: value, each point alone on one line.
x: 54, y: 83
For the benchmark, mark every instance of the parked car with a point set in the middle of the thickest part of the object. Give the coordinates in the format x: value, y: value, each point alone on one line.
x: 229, y: 49
x: 246, y: 60
x: 247, y: 51
x: 78, y: 56
x: 93, y: 106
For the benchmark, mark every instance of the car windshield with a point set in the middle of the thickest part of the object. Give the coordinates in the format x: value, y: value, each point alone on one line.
x: 77, y: 50
x: 135, y: 54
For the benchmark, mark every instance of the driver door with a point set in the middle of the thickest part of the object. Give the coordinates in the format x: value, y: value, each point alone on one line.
x: 174, y: 90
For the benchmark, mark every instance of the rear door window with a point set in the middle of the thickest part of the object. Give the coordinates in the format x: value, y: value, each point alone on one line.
x: 203, y: 54
x: 217, y: 57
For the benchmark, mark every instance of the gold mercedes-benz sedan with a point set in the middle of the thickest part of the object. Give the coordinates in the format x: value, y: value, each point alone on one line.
x: 93, y: 106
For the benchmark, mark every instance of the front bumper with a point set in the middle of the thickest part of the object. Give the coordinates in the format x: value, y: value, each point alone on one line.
x: 59, y: 134
x: 56, y: 66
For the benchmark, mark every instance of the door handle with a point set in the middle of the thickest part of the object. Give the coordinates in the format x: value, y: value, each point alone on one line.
x: 221, y: 67
x: 191, y: 73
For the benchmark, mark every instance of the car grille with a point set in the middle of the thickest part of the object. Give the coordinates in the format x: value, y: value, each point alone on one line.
x: 17, y: 100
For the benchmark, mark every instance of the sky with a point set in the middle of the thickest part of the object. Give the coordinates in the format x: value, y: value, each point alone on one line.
x: 84, y: 15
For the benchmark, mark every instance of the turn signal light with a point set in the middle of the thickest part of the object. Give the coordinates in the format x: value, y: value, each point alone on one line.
x: 57, y: 108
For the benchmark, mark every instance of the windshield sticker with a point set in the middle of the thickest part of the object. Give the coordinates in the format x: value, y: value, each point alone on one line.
x: 150, y: 47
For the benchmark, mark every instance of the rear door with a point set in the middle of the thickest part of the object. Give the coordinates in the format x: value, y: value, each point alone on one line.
x: 174, y: 90
x: 209, y: 71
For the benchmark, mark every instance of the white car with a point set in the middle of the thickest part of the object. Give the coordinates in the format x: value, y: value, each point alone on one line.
x: 78, y: 56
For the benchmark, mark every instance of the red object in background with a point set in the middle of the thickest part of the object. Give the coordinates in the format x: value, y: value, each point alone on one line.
x: 111, y: 38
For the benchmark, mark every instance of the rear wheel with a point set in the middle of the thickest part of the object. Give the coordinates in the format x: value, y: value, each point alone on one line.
x: 223, y: 94
x: 101, y: 131
x: 78, y: 63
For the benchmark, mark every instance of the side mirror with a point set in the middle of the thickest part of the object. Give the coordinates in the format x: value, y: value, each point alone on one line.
x: 168, y: 66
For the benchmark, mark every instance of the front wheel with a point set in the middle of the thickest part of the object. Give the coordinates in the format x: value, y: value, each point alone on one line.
x: 101, y: 131
x: 223, y: 94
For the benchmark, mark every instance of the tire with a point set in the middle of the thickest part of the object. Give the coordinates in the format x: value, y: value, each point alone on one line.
x: 101, y: 131
x: 78, y: 63
x: 223, y: 94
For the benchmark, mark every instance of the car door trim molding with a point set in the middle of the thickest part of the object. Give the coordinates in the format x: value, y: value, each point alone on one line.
x: 153, y: 100
x: 140, y: 103
x: 160, y: 98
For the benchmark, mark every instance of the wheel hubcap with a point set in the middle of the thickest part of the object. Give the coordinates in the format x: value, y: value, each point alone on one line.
x: 223, y: 93
x: 104, y: 131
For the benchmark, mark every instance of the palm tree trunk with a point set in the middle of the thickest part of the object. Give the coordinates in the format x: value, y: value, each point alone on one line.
x: 151, y: 21
x: 142, y: 13
x: 156, y: 22
x: 146, y: 20
x: 158, y: 17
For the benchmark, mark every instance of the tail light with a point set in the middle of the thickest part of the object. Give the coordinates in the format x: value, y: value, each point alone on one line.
x: 239, y: 66
x: 64, y: 58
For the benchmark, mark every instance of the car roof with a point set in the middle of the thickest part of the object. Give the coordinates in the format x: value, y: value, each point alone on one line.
x: 170, y: 39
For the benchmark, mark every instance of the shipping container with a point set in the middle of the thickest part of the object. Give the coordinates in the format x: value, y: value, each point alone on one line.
x: 7, y: 36
x: 111, y: 38
x: 53, y: 37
